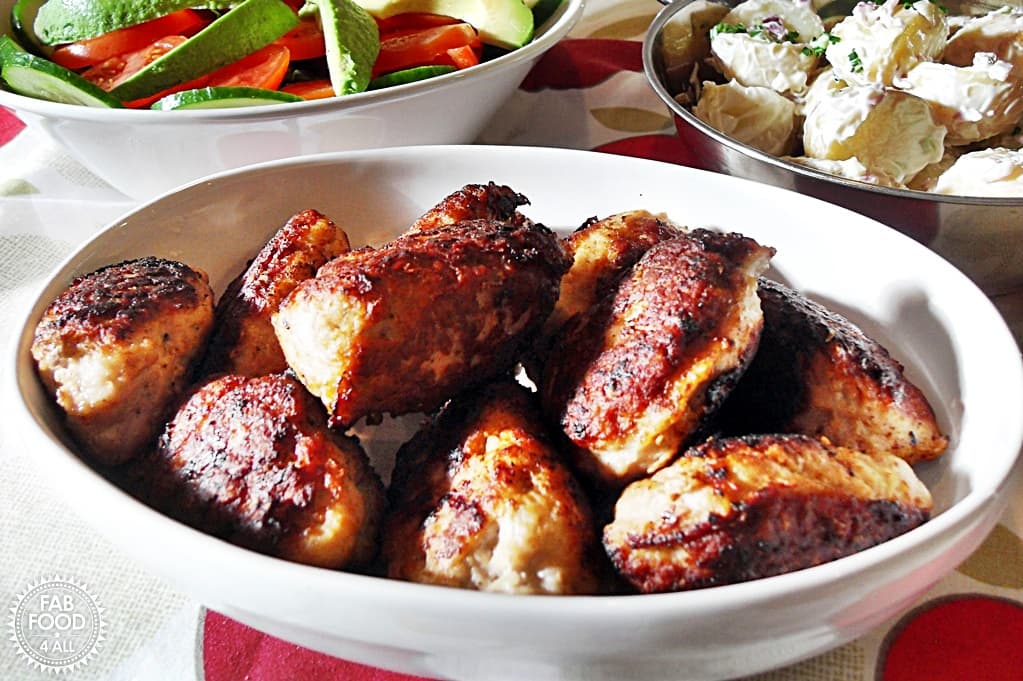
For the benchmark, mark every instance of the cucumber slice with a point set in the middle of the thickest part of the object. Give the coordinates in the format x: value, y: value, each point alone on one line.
x: 409, y: 75
x: 65, y: 21
x: 352, y: 40
x: 23, y: 16
x: 8, y: 46
x: 33, y: 76
x: 222, y: 98
x: 243, y: 30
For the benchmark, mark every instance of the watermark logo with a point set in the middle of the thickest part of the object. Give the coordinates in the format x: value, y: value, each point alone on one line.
x: 57, y: 624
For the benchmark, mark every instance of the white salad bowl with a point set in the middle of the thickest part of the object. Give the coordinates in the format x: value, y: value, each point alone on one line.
x: 954, y: 344
x: 143, y: 153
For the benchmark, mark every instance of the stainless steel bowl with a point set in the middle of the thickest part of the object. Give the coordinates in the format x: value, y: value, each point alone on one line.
x: 983, y: 237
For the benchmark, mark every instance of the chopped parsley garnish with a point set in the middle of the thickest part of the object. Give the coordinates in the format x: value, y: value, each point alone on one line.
x: 817, y: 46
x: 908, y: 4
x: 728, y: 28
x: 757, y: 30
x: 855, y: 64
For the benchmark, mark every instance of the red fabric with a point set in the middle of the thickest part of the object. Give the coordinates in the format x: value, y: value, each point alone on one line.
x: 582, y: 63
x: 10, y: 126
x: 233, y: 651
x: 667, y: 148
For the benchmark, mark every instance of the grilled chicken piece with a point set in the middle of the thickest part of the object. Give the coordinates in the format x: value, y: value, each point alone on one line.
x: 480, y: 500
x: 251, y: 460
x: 117, y: 348
x: 474, y: 202
x: 402, y: 328
x: 633, y: 378
x: 816, y: 373
x: 243, y: 340
x: 737, y: 509
x: 601, y: 251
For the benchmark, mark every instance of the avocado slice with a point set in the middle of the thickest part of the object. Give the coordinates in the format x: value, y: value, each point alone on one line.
x: 352, y: 39
x: 65, y: 21
x: 542, y: 9
x: 241, y: 31
x: 502, y: 23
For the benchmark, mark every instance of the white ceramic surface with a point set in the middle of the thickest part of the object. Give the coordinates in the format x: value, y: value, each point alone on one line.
x: 929, y: 315
x: 145, y: 153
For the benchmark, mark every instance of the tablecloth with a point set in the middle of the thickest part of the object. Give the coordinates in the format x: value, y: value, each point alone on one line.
x: 588, y: 93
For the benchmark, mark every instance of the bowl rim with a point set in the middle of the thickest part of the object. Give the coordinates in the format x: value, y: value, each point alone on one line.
x: 968, y: 512
x: 651, y: 70
x: 547, y: 34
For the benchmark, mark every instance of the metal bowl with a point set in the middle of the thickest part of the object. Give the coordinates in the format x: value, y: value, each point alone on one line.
x: 983, y: 237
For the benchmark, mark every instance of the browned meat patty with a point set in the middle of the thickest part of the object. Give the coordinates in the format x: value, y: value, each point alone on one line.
x: 474, y: 202
x: 602, y: 251
x: 404, y: 327
x: 117, y: 348
x: 251, y: 460
x: 480, y: 500
x: 737, y: 509
x: 629, y: 381
x: 243, y: 340
x: 817, y: 373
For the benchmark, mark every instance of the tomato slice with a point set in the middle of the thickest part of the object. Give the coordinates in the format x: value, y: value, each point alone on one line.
x: 426, y: 46
x: 265, y: 68
x: 85, y: 53
x: 111, y: 72
x: 311, y: 89
x: 305, y: 41
x: 465, y: 56
x: 411, y: 22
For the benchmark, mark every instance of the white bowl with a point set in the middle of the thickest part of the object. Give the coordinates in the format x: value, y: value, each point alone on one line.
x: 143, y: 153
x: 951, y: 339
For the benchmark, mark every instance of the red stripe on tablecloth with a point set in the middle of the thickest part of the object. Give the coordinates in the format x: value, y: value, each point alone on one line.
x: 582, y: 63
x: 656, y: 147
x: 232, y: 651
x: 10, y: 125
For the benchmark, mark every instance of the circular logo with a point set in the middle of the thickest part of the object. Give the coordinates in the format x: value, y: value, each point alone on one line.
x: 57, y: 624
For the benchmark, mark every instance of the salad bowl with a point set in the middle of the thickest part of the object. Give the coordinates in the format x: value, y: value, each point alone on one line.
x: 143, y: 153
x: 931, y: 317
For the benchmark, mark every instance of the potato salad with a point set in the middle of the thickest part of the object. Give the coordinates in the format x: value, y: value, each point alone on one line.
x: 897, y: 93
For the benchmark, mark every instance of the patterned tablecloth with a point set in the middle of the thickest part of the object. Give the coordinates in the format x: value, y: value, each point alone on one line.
x: 588, y: 93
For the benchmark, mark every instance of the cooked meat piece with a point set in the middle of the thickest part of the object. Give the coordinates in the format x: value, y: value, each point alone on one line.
x: 480, y: 500
x: 817, y: 373
x: 404, y: 327
x: 474, y: 202
x: 117, y: 347
x: 632, y: 379
x: 251, y: 460
x: 737, y: 509
x: 243, y: 340
x: 602, y: 251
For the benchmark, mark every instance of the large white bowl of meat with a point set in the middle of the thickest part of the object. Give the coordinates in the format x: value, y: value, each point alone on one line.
x: 473, y: 412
